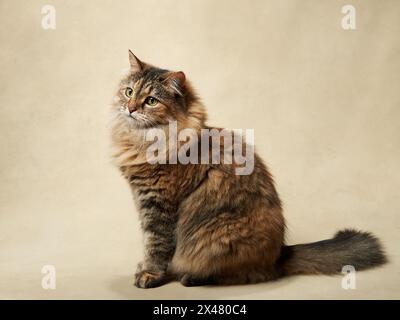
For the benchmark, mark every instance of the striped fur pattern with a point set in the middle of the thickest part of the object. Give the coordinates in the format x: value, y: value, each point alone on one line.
x: 202, y: 223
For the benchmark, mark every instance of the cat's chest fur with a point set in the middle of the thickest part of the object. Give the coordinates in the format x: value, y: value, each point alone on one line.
x: 154, y: 184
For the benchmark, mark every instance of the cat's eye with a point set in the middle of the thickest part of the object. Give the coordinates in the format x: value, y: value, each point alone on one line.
x: 128, y: 92
x: 151, y: 101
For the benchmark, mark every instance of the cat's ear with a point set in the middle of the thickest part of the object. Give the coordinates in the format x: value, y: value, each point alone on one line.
x: 136, y: 64
x: 176, y: 81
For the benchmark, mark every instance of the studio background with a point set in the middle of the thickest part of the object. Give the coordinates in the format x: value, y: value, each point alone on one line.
x: 324, y: 103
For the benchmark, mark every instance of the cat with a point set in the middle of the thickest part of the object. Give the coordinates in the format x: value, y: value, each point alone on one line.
x: 202, y: 223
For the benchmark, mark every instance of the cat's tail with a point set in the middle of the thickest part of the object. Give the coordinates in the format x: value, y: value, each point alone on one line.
x: 359, y: 249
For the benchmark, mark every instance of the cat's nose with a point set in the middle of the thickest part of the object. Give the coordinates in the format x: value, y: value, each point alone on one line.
x: 131, y: 108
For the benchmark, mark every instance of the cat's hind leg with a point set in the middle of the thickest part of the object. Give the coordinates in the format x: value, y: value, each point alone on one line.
x: 189, y: 280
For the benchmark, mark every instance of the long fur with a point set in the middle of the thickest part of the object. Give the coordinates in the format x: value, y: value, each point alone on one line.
x: 202, y: 223
x: 359, y: 249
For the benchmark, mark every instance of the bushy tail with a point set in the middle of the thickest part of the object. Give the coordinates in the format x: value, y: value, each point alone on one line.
x: 362, y: 250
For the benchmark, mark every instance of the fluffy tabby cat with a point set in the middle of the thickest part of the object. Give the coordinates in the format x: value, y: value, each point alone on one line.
x: 203, y: 224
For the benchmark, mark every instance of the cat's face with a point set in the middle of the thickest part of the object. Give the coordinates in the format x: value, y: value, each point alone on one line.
x: 149, y: 97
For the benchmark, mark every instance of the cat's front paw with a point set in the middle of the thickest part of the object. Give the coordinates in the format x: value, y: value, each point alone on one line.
x: 149, y: 279
x: 139, y: 267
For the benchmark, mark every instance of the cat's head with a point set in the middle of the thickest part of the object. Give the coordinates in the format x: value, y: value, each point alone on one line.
x: 150, y: 97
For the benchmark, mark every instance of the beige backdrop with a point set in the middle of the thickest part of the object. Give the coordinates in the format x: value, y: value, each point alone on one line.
x: 324, y: 103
